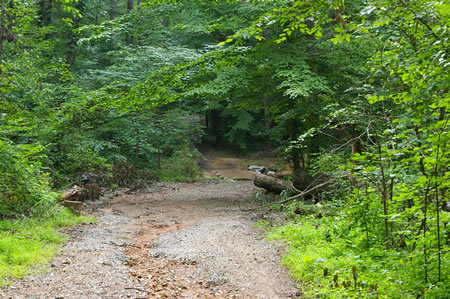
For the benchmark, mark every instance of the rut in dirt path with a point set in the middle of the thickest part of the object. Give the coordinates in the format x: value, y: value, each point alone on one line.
x: 175, y: 241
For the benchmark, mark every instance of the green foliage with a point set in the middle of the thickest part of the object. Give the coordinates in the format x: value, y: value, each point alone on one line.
x: 323, y: 256
x: 87, y: 87
x: 242, y: 129
x: 299, y: 81
x: 24, y: 189
x: 27, y: 244
x: 262, y: 225
x: 182, y: 166
x: 262, y: 199
x: 139, y: 142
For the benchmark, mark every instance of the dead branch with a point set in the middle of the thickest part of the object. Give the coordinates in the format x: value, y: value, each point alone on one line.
x: 308, y: 191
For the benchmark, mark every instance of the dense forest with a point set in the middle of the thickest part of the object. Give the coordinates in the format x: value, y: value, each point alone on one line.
x: 124, y: 91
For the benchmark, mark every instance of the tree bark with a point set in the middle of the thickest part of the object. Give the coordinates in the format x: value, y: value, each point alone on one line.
x: 93, y: 191
x: 215, y: 124
x: 270, y: 183
x: 295, y: 153
x: 46, y: 15
x: 2, y: 33
x: 72, y: 44
x: 266, y: 119
x: 75, y: 194
x: 354, y: 138
x: 113, y: 9
x: 128, y: 37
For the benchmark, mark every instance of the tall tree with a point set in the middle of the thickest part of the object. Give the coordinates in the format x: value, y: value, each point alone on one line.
x: 2, y: 33
x: 128, y: 36
x: 113, y: 9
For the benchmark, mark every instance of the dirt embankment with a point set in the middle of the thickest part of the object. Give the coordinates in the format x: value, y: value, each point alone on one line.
x: 173, y: 241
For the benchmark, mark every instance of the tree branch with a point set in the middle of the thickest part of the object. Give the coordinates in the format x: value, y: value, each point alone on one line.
x: 304, y: 193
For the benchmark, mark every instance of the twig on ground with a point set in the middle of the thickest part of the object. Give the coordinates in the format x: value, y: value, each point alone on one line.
x: 123, y: 245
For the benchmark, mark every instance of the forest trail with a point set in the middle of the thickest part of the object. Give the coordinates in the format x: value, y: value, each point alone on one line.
x: 176, y: 240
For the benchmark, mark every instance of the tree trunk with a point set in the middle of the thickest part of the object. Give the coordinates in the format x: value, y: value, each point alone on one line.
x: 93, y: 191
x: 352, y: 136
x: 137, y: 140
x: 113, y: 9
x: 71, y: 45
x: 2, y: 33
x: 130, y: 5
x: 128, y: 37
x: 46, y: 12
x: 215, y: 124
x: 295, y: 153
x: 71, y: 54
x: 266, y: 120
x: 270, y: 183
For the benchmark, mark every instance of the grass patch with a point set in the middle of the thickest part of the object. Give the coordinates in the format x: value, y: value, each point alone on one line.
x: 27, y: 244
x: 173, y: 177
x: 262, y: 225
x: 327, y: 261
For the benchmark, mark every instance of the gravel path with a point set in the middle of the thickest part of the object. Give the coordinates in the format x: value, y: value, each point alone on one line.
x: 173, y: 241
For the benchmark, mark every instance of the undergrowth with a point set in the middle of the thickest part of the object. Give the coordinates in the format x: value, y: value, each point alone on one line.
x: 27, y: 244
x: 182, y: 166
x: 330, y: 259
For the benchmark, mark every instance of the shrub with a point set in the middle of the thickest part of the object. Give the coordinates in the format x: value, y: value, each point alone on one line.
x: 24, y: 188
x: 329, y: 259
x: 182, y: 166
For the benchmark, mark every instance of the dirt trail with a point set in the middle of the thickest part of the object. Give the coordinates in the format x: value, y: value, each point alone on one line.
x: 172, y: 241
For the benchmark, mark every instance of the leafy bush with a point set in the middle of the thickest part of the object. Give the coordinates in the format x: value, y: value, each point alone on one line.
x: 243, y: 131
x: 24, y: 188
x: 182, y: 166
x: 329, y: 258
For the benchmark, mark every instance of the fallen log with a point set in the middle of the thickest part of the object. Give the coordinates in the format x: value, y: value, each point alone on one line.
x: 86, y: 192
x: 75, y: 194
x: 278, y: 186
x: 270, y: 183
